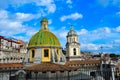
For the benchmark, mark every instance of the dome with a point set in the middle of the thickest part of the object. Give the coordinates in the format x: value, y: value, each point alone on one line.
x: 44, y: 38
x: 72, y: 32
x: 44, y: 20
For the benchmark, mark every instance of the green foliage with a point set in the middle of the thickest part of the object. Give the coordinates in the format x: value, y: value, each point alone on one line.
x: 113, y: 55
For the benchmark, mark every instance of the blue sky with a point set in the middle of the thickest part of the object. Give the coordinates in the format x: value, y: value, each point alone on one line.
x: 97, y: 22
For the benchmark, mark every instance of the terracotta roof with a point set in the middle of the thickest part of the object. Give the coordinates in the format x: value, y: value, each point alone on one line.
x: 118, y: 64
x: 11, y: 65
x: 50, y: 67
x: 83, y: 62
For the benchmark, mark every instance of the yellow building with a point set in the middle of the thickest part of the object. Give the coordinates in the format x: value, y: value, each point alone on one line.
x: 44, y: 47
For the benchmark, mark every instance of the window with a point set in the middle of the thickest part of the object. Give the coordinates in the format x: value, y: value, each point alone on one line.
x: 70, y: 39
x: 74, y: 39
x: 74, y: 51
x: 57, y: 51
x: 33, y: 53
x: 46, y: 53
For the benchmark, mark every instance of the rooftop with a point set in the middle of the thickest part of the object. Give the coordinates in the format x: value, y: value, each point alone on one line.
x: 11, y: 65
x: 50, y: 67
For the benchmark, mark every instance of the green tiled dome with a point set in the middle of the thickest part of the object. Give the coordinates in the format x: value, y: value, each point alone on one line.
x: 44, y: 38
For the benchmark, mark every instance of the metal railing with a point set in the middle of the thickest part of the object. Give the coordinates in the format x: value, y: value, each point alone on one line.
x: 81, y: 74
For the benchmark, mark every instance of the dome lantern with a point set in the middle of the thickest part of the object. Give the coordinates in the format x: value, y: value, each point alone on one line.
x: 44, y: 24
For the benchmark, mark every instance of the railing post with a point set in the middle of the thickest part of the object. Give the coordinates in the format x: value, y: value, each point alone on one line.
x: 36, y: 75
x: 10, y: 74
x: 56, y: 75
x: 113, y: 75
x: 68, y: 75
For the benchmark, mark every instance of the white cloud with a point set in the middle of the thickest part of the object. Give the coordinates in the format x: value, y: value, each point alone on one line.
x: 90, y: 46
x: 12, y: 24
x: 118, y: 13
x: 50, y: 21
x: 3, y: 14
x: 96, y: 47
x: 69, y: 2
x: 30, y: 31
x: 23, y: 16
x: 82, y: 31
x: 51, y: 8
x: 11, y: 27
x: 97, y: 34
x: 17, y: 16
x: 106, y: 3
x: 25, y: 39
x: 104, y: 31
x: 107, y: 30
x: 117, y: 29
x: 92, y: 40
x: 117, y: 42
x: 49, y: 5
x: 62, y: 32
x: 73, y: 16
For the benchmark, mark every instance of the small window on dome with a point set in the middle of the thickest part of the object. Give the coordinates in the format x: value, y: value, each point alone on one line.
x: 46, y: 53
x: 57, y: 50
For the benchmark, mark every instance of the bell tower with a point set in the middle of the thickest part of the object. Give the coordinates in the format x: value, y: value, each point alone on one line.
x: 72, y: 46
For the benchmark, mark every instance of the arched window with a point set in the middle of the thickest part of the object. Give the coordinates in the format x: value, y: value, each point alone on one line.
x: 74, y: 51
x: 74, y: 39
x: 70, y: 39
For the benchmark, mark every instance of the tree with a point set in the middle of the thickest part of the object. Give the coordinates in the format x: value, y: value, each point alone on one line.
x: 113, y: 55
